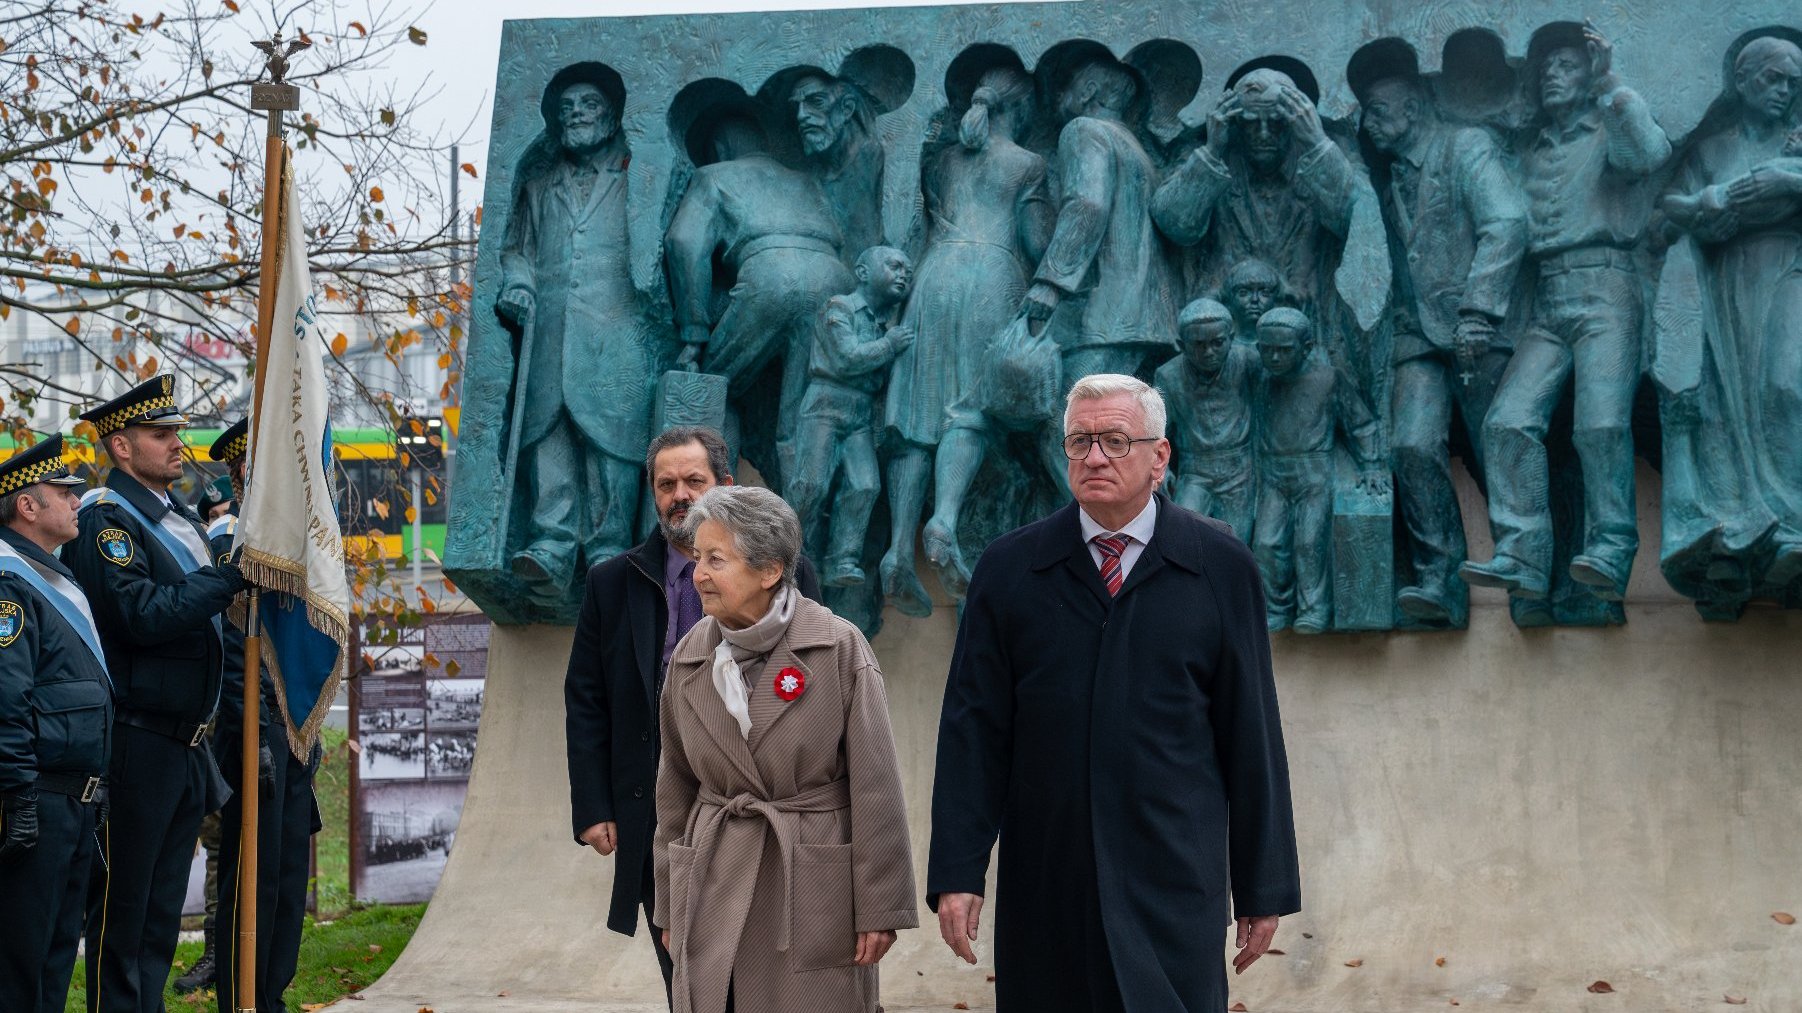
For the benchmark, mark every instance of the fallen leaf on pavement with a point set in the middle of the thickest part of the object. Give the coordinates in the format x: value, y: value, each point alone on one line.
x: 1277, y: 953
x: 961, y: 1005
x: 1783, y: 918
x: 1601, y: 987
x: 1439, y: 962
x: 1735, y: 1000
x: 1355, y: 962
x: 1237, y: 1007
x: 991, y: 979
x: 1307, y: 935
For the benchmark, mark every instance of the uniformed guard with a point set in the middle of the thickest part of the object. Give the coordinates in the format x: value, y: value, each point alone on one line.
x: 143, y: 559
x: 287, y: 815
x: 56, y: 711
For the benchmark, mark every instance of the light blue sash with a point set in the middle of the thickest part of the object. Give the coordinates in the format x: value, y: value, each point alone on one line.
x: 12, y: 562
x: 177, y: 548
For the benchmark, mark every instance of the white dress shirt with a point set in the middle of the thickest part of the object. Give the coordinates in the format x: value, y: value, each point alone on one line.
x: 1137, y: 533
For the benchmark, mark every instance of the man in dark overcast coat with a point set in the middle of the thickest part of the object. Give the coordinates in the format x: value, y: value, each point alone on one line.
x: 632, y: 617
x: 1110, y: 702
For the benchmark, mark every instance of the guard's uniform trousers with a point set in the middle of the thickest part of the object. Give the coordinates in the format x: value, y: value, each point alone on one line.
x: 157, y: 600
x: 56, y: 711
x: 287, y: 817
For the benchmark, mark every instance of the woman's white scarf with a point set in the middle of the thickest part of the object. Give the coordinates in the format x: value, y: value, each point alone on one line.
x: 739, y: 645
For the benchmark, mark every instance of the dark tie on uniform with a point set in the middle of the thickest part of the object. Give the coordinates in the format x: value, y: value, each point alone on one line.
x: 688, y: 601
x: 1111, y: 546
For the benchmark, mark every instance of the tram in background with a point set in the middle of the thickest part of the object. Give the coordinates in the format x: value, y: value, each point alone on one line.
x: 374, y: 484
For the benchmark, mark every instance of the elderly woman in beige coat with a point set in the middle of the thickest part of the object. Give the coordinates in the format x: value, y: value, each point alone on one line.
x: 781, y: 851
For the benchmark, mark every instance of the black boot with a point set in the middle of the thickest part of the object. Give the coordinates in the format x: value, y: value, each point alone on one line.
x: 203, y: 974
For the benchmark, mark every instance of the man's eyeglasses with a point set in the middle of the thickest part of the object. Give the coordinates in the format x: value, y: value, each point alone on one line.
x: 1076, y: 445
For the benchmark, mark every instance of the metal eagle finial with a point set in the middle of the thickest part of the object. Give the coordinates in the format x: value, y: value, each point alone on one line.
x: 278, y: 55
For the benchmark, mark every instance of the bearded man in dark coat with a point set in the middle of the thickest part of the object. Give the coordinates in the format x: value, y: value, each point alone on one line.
x: 1110, y: 702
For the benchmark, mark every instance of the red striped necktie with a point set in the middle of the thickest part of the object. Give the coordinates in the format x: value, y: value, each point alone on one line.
x: 1111, y: 546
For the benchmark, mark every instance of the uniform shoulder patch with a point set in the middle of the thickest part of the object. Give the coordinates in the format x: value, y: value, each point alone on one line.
x: 115, y: 546
x: 12, y: 622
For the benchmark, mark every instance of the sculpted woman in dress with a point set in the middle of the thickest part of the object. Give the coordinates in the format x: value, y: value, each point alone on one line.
x: 1733, y: 516
x: 989, y: 216
x: 781, y: 853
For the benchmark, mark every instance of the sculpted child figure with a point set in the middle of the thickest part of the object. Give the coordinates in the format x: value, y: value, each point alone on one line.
x: 1208, y: 390
x: 1302, y: 405
x: 1252, y: 289
x: 835, y: 436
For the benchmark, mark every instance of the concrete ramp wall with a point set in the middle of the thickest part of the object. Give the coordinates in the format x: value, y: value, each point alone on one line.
x: 1541, y: 809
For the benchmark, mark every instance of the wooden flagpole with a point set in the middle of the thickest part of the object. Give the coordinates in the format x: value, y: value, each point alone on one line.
x: 272, y: 98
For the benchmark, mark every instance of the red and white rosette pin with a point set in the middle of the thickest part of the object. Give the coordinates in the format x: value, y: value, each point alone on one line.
x: 791, y: 682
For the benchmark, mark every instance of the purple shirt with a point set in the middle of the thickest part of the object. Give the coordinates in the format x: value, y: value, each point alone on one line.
x: 673, y: 563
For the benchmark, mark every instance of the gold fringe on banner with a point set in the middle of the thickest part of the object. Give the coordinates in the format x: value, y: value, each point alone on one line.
x: 284, y: 576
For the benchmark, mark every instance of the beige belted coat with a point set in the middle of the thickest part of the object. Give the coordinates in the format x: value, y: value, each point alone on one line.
x: 772, y: 853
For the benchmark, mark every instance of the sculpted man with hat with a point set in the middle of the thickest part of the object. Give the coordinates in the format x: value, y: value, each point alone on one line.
x: 1104, y: 248
x: 592, y: 359
x: 142, y: 558
x: 1587, y: 167
x: 769, y: 226
x: 834, y: 119
x: 56, y: 717
x: 1458, y: 229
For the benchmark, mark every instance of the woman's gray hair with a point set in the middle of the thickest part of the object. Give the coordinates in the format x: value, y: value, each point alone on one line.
x: 1096, y: 386
x: 763, y: 527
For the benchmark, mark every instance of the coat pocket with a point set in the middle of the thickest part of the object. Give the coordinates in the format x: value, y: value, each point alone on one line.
x: 72, y: 730
x: 681, y: 872
x: 824, y: 901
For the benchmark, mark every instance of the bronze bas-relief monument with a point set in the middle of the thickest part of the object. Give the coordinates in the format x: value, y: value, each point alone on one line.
x: 1567, y: 247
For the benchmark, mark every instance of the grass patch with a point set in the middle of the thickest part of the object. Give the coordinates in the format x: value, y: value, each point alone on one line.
x: 336, y: 958
x: 349, y: 946
x: 332, y: 787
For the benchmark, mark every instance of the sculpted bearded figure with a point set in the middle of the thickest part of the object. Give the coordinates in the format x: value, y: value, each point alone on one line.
x: 834, y: 122
x: 591, y: 359
x: 1458, y: 228
x: 770, y: 229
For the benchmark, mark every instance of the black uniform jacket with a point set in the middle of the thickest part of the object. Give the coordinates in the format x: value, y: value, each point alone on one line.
x: 56, y: 705
x: 610, y: 708
x: 156, y: 622
x: 1127, y: 751
x: 231, y: 700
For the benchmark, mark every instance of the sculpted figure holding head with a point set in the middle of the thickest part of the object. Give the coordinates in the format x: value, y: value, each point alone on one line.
x: 1270, y: 184
x: 591, y: 360
x: 769, y: 227
x: 1585, y: 168
x: 988, y: 217
x: 1733, y: 411
x: 1458, y: 228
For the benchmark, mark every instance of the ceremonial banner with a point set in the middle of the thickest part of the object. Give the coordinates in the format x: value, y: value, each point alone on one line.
x: 288, y: 537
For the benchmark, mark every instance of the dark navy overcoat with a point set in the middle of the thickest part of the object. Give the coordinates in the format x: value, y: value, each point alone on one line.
x: 1129, y: 755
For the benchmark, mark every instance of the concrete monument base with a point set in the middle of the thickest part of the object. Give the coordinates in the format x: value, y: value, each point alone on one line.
x: 1542, y: 809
